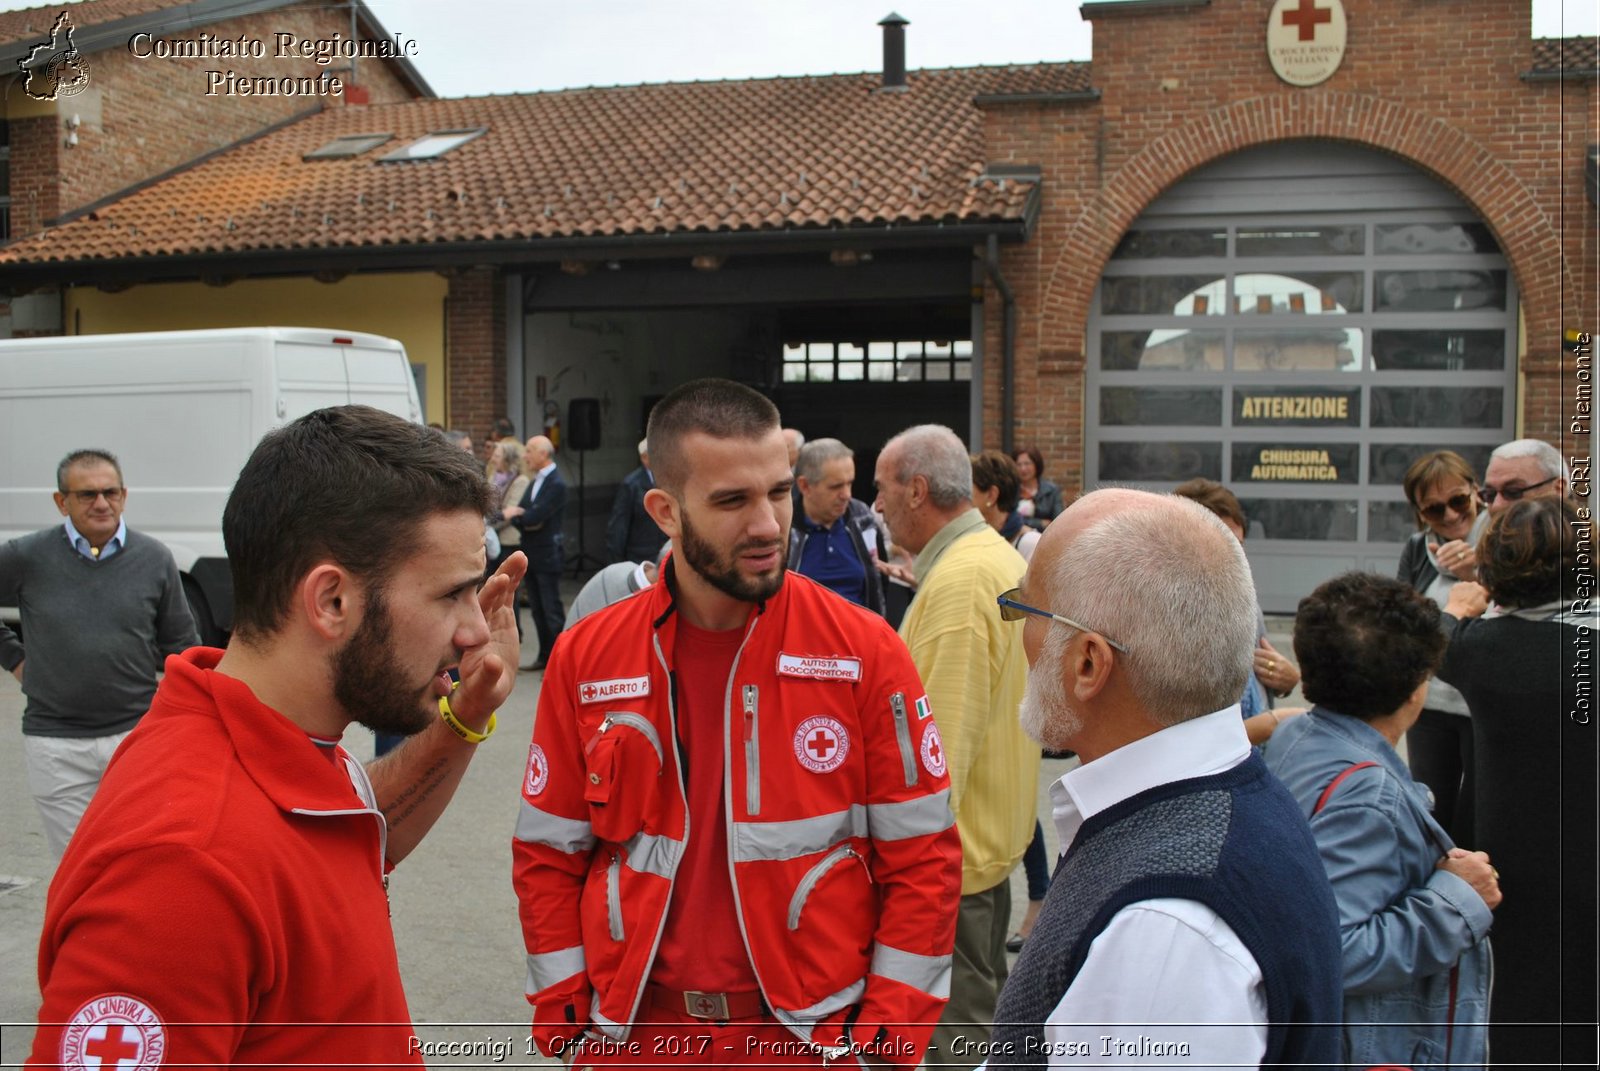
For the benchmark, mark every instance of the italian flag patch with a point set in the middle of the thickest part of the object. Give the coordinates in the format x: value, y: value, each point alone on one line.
x: 924, y: 708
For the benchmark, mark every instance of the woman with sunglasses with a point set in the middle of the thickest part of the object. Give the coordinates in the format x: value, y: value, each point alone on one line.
x: 1442, y: 490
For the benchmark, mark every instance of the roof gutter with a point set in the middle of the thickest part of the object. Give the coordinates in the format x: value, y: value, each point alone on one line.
x: 28, y: 275
x: 1008, y: 345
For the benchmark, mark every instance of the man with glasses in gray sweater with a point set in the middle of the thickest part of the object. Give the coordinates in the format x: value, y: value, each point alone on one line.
x: 102, y: 606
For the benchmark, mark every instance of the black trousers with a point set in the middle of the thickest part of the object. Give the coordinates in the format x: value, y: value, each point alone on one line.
x: 1439, y: 748
x: 544, y: 606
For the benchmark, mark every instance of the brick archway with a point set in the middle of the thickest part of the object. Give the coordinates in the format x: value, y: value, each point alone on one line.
x: 1525, y: 232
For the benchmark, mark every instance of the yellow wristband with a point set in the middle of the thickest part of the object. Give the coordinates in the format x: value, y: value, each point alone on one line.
x: 455, y: 723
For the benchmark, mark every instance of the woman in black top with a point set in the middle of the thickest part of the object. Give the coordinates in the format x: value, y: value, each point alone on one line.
x: 1527, y: 669
x: 1442, y: 490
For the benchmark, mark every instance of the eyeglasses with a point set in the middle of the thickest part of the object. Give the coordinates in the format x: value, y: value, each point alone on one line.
x: 1455, y: 503
x: 1012, y: 610
x: 1487, y: 495
x: 113, y: 495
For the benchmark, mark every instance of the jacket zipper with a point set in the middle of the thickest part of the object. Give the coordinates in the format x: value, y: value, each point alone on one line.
x: 614, y: 895
x: 727, y: 790
x: 637, y: 722
x: 683, y: 794
x: 752, y: 751
x: 802, y: 892
x: 902, y: 733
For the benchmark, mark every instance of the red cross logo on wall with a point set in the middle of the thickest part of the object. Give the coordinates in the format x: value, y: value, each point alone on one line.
x: 119, y: 1043
x: 1306, y: 17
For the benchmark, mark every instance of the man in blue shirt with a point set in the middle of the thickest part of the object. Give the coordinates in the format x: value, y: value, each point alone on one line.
x: 834, y: 539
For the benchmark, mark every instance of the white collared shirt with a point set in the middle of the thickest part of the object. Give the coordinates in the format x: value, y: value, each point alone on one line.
x: 1163, y: 972
x: 538, y: 479
x: 81, y: 544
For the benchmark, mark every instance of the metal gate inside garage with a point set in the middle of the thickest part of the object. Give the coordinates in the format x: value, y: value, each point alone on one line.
x: 1300, y: 322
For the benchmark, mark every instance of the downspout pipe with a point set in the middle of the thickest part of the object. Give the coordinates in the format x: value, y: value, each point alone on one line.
x: 1008, y: 346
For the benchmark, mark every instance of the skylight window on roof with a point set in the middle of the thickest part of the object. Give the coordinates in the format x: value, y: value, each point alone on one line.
x: 433, y: 145
x: 347, y: 145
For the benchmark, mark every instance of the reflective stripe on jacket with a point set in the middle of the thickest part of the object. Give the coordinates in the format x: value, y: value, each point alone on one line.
x: 846, y: 861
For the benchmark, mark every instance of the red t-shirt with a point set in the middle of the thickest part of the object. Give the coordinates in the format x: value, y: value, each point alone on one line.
x: 701, y: 948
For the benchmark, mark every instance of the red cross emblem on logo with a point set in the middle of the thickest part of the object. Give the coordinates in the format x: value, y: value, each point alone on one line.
x: 538, y: 770
x: 932, y: 751
x: 1306, y: 17
x: 588, y: 692
x: 821, y: 743
x: 705, y: 1006
x: 119, y: 1043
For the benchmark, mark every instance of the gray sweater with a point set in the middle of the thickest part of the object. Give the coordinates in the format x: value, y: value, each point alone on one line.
x: 97, y: 631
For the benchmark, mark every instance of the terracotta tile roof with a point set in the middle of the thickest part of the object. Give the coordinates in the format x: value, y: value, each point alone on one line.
x: 35, y: 22
x: 1566, y: 55
x: 708, y: 157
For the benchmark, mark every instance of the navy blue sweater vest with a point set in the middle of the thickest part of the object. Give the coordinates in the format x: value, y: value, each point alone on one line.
x: 1235, y: 842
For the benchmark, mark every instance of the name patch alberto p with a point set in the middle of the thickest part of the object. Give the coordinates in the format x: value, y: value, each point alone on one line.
x: 615, y: 688
x: 822, y: 669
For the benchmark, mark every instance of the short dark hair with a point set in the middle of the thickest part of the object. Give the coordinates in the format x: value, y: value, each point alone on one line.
x: 85, y: 457
x: 350, y: 484
x: 1431, y: 469
x: 994, y: 469
x: 1528, y: 550
x: 1214, y: 497
x: 720, y: 408
x: 1364, y: 643
x: 503, y: 428
x: 1033, y: 455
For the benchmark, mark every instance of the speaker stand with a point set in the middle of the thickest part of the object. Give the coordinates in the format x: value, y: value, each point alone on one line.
x: 581, y: 560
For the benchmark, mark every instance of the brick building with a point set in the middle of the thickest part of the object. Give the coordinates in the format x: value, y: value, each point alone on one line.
x: 1172, y: 261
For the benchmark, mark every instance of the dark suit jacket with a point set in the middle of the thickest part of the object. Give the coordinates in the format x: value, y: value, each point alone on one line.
x: 631, y: 536
x: 541, y: 523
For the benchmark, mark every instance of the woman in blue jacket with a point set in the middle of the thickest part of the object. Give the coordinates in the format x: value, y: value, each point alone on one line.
x: 1414, y: 910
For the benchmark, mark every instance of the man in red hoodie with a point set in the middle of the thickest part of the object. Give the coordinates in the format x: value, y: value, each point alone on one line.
x: 224, y: 900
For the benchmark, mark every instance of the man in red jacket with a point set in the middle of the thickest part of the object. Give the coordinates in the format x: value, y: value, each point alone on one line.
x: 224, y: 900
x: 735, y: 844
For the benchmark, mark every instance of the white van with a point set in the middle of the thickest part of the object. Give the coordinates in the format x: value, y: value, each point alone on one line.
x: 181, y: 410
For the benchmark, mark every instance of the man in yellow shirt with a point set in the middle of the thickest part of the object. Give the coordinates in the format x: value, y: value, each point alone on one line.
x: 974, y: 668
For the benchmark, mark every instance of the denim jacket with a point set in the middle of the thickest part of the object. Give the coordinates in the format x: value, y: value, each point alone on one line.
x: 1403, y: 922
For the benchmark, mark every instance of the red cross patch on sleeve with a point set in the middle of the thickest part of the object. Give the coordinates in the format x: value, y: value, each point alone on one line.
x: 113, y: 1033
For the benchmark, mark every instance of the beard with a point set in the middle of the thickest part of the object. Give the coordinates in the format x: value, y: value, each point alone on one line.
x: 722, y: 571
x: 369, y: 682
x: 1045, y: 713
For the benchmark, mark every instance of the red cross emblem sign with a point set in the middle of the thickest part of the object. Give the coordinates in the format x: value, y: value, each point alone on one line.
x: 1306, y: 40
x: 821, y: 744
x: 933, y: 751
x: 113, y: 1033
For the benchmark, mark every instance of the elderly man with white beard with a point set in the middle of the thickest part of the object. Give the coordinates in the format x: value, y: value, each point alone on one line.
x: 1190, y: 922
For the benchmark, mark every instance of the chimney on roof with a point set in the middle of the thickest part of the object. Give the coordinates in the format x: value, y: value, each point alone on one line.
x: 894, y: 51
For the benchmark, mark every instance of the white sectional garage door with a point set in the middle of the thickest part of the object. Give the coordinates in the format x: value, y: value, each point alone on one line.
x: 1300, y: 322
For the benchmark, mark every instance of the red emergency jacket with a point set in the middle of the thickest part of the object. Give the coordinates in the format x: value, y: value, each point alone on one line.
x: 846, y: 861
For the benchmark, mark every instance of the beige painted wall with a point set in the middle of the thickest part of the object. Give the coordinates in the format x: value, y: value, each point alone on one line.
x: 409, y: 307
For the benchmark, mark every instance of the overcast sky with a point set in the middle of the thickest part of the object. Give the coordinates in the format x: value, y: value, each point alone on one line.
x: 472, y: 47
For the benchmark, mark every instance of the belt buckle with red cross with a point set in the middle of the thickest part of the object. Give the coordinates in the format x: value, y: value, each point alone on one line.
x: 706, y: 1005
